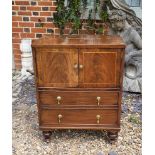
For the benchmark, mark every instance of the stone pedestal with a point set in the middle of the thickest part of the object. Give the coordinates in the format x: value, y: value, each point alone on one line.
x: 26, y: 57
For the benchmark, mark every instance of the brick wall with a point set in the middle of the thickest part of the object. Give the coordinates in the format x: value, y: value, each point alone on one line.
x: 30, y: 19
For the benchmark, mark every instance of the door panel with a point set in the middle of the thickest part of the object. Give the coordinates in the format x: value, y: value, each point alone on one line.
x: 56, y: 67
x: 101, y: 68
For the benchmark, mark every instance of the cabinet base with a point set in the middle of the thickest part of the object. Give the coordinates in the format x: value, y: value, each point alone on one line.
x: 112, y: 135
x: 47, y: 136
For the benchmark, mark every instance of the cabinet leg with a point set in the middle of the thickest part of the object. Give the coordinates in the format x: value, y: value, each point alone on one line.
x: 112, y: 135
x: 47, y: 136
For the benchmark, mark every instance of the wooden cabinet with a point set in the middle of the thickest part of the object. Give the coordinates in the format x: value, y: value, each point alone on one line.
x: 79, y: 82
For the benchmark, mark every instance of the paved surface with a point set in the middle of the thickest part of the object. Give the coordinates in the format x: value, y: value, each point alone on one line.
x: 28, y: 140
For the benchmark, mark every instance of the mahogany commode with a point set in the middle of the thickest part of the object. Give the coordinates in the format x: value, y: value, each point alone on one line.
x: 79, y: 82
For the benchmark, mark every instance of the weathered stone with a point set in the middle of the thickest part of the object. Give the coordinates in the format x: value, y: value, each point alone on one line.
x: 132, y: 85
x: 133, y: 50
x: 132, y: 18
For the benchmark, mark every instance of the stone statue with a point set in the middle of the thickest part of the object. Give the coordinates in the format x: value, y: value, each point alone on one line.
x: 122, y: 5
x: 133, y: 51
x: 131, y: 17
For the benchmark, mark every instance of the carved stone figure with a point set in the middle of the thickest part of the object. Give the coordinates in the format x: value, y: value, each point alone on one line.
x: 122, y: 5
x: 133, y: 52
x: 131, y: 17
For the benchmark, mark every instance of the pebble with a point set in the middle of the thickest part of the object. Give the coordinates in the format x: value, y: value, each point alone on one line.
x: 28, y: 140
x: 112, y: 153
x: 100, y: 153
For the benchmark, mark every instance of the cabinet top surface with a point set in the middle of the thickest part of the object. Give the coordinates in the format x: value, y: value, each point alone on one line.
x: 80, y: 41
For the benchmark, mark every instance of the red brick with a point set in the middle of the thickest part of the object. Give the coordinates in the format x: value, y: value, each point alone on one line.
x: 16, y: 40
x: 18, y: 66
x: 16, y: 8
x: 26, y: 24
x: 17, y: 29
x: 23, y: 8
x: 16, y: 18
x: 66, y: 31
x: 51, y: 25
x: 16, y: 51
x: 14, y: 24
x: 38, y: 30
x: 17, y: 57
x: 16, y: 46
x: 18, y: 62
x: 27, y: 35
x: 22, y: 2
x: 45, y: 13
x: 36, y: 19
x: 56, y: 31
x: 15, y: 35
x: 54, y: 3
x: 45, y: 3
x: 33, y: 8
x: 52, y: 8
x: 24, y: 13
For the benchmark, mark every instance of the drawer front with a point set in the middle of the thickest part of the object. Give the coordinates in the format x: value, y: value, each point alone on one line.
x: 75, y: 98
x: 79, y: 116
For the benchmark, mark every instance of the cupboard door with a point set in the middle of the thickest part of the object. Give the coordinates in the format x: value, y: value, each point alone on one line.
x: 57, y: 67
x: 100, y: 68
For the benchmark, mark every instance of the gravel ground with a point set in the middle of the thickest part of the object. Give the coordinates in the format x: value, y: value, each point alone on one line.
x: 28, y: 140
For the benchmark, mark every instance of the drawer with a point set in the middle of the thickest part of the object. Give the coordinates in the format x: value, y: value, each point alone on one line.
x: 75, y: 98
x: 79, y: 116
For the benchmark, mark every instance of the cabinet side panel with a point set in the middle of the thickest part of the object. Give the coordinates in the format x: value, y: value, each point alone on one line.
x: 36, y: 84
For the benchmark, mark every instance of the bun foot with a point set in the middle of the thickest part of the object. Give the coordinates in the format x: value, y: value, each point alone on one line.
x: 112, y: 135
x: 47, y: 136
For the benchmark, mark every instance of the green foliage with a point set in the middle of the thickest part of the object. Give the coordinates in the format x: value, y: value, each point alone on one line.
x: 134, y: 120
x: 71, y: 13
x: 100, y: 30
x: 104, y: 16
x: 90, y: 24
x: 74, y: 14
x: 104, y: 13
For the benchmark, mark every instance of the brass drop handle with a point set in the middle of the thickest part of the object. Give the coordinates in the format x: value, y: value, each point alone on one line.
x: 98, y: 118
x: 59, y: 118
x: 75, y: 66
x: 81, y: 66
x: 98, y: 100
x: 58, y: 99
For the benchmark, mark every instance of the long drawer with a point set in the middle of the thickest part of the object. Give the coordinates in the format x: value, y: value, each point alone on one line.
x: 79, y: 98
x: 64, y: 117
